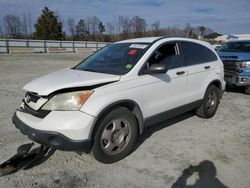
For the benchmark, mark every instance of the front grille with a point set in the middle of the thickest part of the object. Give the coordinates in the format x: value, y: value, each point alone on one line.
x: 229, y: 57
x: 37, y: 113
x: 32, y: 97
x: 231, y: 66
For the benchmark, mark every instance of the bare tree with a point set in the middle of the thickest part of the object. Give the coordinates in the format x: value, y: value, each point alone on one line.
x: 111, y: 33
x: 111, y: 28
x: 173, y: 31
x: 190, y: 31
x: 13, y: 26
x: 92, y: 25
x: 25, y: 28
x: 138, y: 26
x: 1, y: 29
x: 125, y: 26
x: 30, y: 24
x: 155, y: 28
x: 117, y: 26
x: 71, y: 27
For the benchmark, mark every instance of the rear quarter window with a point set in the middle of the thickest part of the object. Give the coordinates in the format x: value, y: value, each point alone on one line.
x: 194, y: 53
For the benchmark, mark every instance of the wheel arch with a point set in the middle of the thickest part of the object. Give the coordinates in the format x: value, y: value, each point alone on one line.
x: 218, y: 84
x: 127, y: 103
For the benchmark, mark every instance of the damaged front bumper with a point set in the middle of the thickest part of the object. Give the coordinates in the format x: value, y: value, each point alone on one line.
x: 26, y: 158
x: 51, y: 139
x: 240, y: 79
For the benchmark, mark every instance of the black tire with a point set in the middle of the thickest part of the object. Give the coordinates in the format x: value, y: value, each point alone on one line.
x: 210, y: 103
x: 108, y: 136
x: 247, y: 90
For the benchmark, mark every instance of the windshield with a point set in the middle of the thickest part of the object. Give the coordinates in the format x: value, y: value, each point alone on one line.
x: 235, y: 47
x: 114, y: 59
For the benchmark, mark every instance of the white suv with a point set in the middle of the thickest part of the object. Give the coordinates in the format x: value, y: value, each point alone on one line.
x: 102, y: 104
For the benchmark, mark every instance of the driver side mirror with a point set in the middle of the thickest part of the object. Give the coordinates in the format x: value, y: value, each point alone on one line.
x: 156, y: 69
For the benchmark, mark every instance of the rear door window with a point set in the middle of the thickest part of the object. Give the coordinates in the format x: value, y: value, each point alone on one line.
x: 194, y: 53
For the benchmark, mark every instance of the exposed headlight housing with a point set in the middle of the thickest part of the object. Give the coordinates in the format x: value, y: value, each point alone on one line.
x: 245, y: 64
x: 68, y: 101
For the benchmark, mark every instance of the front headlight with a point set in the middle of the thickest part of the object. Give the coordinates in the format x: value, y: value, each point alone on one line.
x: 68, y: 101
x: 245, y: 64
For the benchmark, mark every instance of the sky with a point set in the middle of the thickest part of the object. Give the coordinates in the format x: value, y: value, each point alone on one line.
x: 223, y: 16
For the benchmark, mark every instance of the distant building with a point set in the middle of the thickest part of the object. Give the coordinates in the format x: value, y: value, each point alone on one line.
x: 225, y: 38
x: 243, y: 36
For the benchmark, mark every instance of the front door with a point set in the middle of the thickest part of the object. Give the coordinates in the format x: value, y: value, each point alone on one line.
x: 162, y: 92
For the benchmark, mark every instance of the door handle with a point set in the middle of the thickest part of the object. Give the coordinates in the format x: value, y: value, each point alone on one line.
x: 180, y: 72
x: 207, y: 67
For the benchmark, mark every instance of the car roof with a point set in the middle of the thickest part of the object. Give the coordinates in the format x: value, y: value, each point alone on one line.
x: 155, y: 39
x: 140, y: 40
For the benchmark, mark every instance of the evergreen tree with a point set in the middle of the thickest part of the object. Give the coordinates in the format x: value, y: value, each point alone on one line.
x: 48, y: 27
x: 101, y: 28
x: 202, y: 29
x: 81, y: 30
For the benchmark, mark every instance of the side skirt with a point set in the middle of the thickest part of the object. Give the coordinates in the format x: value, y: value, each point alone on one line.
x: 171, y: 113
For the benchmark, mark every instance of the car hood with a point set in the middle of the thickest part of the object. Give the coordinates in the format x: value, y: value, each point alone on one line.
x: 67, y: 78
x: 234, y: 56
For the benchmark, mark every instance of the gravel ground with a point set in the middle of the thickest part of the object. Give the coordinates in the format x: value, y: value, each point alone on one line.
x: 218, y: 149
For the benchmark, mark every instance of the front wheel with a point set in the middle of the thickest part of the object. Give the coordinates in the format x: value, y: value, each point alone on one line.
x: 247, y: 90
x: 210, y: 103
x: 115, y: 136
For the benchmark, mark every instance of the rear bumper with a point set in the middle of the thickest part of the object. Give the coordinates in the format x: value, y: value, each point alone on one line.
x: 51, y: 139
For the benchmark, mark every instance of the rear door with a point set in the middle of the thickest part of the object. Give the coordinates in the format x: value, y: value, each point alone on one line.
x: 200, y: 62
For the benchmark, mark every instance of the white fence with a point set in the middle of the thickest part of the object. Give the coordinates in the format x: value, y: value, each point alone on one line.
x: 47, y: 46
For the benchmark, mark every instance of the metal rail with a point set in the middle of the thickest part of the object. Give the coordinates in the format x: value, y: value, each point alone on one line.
x: 43, y: 46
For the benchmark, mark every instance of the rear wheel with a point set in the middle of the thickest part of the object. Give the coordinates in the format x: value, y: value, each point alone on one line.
x: 116, y: 136
x: 210, y: 103
x: 247, y: 90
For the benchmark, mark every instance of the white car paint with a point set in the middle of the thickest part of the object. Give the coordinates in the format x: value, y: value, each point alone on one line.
x: 67, y: 78
x: 75, y: 125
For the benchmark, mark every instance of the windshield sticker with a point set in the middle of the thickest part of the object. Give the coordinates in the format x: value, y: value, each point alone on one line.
x: 132, y: 52
x: 140, y: 46
x: 129, y: 66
